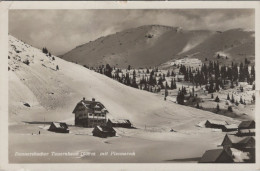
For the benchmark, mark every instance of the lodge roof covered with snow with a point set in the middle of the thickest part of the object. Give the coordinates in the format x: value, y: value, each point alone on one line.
x: 246, y: 124
x: 212, y: 156
x: 237, y: 140
x: 244, y: 131
x: 120, y: 121
x: 215, y: 122
x: 105, y: 128
x: 231, y: 126
x: 61, y: 125
x: 91, y: 104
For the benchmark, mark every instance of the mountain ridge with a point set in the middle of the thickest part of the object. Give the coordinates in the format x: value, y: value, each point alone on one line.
x: 152, y: 45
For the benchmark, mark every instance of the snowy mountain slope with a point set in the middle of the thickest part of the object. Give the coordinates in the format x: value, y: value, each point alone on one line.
x: 152, y: 45
x: 139, y: 47
x: 53, y: 94
x: 236, y: 44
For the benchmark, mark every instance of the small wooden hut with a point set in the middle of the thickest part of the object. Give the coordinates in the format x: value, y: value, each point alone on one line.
x: 103, y: 131
x: 60, y: 127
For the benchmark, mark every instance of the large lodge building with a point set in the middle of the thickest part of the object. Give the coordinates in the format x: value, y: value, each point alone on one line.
x: 90, y: 113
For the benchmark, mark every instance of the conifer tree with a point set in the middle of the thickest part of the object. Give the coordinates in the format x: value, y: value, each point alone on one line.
x: 232, y: 84
x: 253, y: 97
x: 253, y: 72
x: 217, y: 99
x: 166, y: 85
x: 241, y: 89
x: 253, y: 87
x: 168, y: 73
x: 232, y: 99
x: 230, y: 109
x: 211, y: 87
x: 166, y: 92
x: 228, y: 98
x: 197, y: 106
x: 241, y: 100
x: 218, y: 109
x: 180, y: 98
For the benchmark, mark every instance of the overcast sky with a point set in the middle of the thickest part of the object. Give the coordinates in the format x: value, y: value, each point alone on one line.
x: 63, y: 30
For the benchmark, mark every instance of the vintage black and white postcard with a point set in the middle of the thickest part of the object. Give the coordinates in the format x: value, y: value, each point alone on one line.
x: 153, y: 83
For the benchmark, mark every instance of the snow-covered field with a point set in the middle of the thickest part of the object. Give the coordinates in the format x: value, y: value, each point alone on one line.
x: 52, y: 95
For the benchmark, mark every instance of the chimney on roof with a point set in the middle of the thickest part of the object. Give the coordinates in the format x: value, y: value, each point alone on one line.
x: 93, y: 99
x: 84, y: 98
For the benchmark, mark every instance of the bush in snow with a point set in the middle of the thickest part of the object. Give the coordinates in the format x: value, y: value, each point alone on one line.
x: 27, y: 62
x: 57, y: 67
x: 27, y: 104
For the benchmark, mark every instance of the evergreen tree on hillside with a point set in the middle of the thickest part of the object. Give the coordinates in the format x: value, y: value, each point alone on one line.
x: 253, y: 72
x: 228, y: 98
x: 173, y: 74
x: 218, y: 109
x: 160, y: 82
x: 45, y: 50
x: 166, y: 92
x: 241, y: 100
x: 168, y: 74
x: 134, y: 84
x: 180, y: 98
x: 246, y: 73
x: 134, y: 73
x: 166, y: 85
x: 232, y: 84
x: 241, y: 89
x: 253, y: 87
x: 217, y: 85
x: 108, y: 70
x: 217, y: 99
x: 253, y: 98
x: 232, y: 99
x: 230, y: 109
x: 127, y: 79
x: 172, y: 84
x: 197, y: 106
x: 211, y: 87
